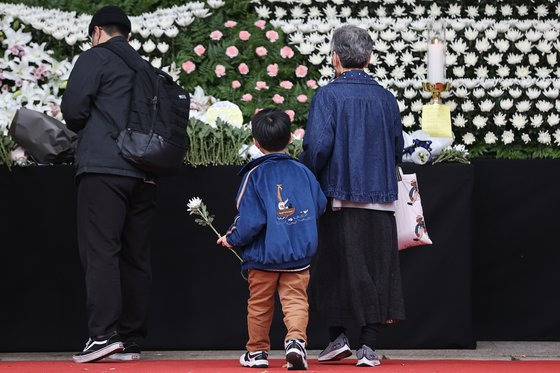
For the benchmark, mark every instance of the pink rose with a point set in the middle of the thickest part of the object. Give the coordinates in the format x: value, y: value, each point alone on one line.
x: 260, y: 85
x: 189, y: 67
x: 272, y: 69
x: 302, y: 98
x: 301, y: 71
x: 286, y: 52
x: 216, y: 35
x: 312, y: 84
x: 272, y: 36
x: 220, y: 71
x: 298, y: 134
x: 243, y: 69
x: 230, y: 24
x: 247, y: 97
x: 291, y: 114
x: 235, y: 84
x: 244, y: 35
x: 277, y: 99
x: 261, y: 51
x: 232, y: 52
x: 260, y: 24
x: 286, y: 84
x: 199, y: 50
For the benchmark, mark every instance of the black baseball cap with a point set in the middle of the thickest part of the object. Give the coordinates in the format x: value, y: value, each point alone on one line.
x: 109, y: 15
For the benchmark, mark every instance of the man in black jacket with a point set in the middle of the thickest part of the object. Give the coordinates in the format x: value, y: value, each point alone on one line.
x: 116, y: 201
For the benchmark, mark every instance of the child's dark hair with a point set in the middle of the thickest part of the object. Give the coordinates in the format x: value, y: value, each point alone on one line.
x: 272, y: 129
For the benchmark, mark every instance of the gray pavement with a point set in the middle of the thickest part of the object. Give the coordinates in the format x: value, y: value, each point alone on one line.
x: 484, y: 351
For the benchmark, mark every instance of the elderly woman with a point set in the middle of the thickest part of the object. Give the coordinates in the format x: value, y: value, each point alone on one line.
x: 353, y: 142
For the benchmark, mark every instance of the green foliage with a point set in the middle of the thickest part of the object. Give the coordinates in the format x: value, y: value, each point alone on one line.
x: 6, y: 146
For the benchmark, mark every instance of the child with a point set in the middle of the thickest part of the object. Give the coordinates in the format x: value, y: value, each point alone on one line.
x: 279, y: 201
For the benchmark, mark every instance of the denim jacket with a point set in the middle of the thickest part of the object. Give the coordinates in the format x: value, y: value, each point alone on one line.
x: 279, y: 202
x: 353, y: 139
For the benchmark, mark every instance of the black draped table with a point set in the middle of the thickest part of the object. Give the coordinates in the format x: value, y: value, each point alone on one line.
x: 199, y: 298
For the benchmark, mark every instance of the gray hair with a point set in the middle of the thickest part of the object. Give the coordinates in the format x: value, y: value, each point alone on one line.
x: 353, y: 45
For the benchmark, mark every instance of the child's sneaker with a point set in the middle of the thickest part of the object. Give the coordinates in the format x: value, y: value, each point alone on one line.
x: 257, y: 359
x: 336, y: 350
x: 296, y: 356
x: 98, y: 348
x: 367, y: 357
x: 131, y: 351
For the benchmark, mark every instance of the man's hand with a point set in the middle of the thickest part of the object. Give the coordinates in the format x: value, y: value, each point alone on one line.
x: 222, y: 241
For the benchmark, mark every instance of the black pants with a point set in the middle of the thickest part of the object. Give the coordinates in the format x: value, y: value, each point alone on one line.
x: 115, y: 214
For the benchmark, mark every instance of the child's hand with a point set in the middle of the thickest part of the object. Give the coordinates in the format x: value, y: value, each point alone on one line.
x: 222, y: 241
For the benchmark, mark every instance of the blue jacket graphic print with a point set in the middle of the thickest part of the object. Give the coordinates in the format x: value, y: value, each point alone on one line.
x: 279, y: 201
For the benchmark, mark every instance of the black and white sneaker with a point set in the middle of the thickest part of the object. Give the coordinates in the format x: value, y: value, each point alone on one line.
x: 367, y: 357
x: 99, y: 348
x: 131, y: 351
x: 258, y: 359
x: 336, y: 350
x: 296, y: 356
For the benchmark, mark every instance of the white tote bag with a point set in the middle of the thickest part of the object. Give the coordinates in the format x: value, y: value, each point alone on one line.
x: 411, y: 226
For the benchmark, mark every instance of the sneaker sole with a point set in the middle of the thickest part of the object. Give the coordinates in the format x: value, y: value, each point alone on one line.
x: 99, y: 354
x: 336, y: 355
x: 296, y: 361
x: 125, y: 356
x: 365, y: 362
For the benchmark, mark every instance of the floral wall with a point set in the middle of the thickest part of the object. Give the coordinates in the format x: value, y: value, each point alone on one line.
x: 501, y: 61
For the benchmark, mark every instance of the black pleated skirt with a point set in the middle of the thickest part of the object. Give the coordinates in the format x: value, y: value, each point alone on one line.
x: 355, y: 275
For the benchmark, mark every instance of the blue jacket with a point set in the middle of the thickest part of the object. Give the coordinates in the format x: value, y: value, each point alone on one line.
x: 279, y: 202
x: 353, y: 139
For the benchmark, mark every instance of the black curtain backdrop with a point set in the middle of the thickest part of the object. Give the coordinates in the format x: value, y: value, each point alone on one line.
x: 199, y: 297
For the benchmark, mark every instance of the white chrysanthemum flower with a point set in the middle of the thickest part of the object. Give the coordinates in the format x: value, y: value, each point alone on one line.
x: 556, y: 134
x: 500, y: 119
x: 533, y: 35
x: 553, y: 119
x: 149, y: 46
x: 479, y: 121
x: 526, y: 138
x: 494, y: 59
x: 536, y: 120
x: 472, y: 11
x: 544, y: 137
x: 503, y: 71
x: 459, y: 121
x: 543, y: 84
x: 280, y: 12
x: 523, y: 106
x: 388, y: 35
x: 478, y: 93
x: 408, y: 120
x: 451, y: 59
x: 467, y: 106
x: 345, y: 12
x: 481, y: 72
x: 408, y: 36
x: 427, y: 95
x: 541, y: 11
x: 364, y: 13
x: 514, y: 59
x: 551, y: 59
x: 522, y: 72
x: 490, y: 138
x: 513, y: 35
x: 461, y: 92
x: 495, y: 92
x: 402, y: 105
x: 544, y: 46
x: 491, y: 34
x: 454, y: 10
x: 502, y: 27
x: 522, y: 10
x: 506, y: 104
x: 194, y: 203
x: 171, y: 32
x: 399, y: 45
x: 398, y: 73
x: 324, y: 49
x: 410, y: 93
x: 551, y: 93
x: 263, y: 11
x: 420, y: 71
x: 326, y: 71
x: 459, y: 71
x: 468, y: 138
x: 381, y: 72
x: 533, y: 93
x: 471, y: 59
x: 533, y: 59
x: 524, y: 25
x: 551, y: 35
x: 452, y: 105
x: 298, y: 12
x: 416, y: 106
x: 156, y: 62
x: 399, y: 11
x: 544, y: 106
x: 490, y: 10
x: 162, y: 47
x: 486, y: 105
x: 316, y: 59
x: 524, y: 46
x: 482, y: 45
x: 471, y: 34
x: 306, y: 48
x: 435, y: 10
x: 381, y: 12
x: 518, y: 121
x: 508, y: 137
x: 544, y: 73
x: 381, y: 46
x: 418, y: 10
x: 390, y: 59
x: 459, y: 46
x: 502, y: 45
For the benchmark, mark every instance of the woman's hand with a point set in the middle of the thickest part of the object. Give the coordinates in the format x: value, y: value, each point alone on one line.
x: 222, y: 241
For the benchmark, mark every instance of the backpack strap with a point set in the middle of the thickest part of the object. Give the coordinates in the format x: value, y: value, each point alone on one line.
x: 134, y: 62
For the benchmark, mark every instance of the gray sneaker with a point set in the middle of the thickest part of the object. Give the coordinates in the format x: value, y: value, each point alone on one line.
x: 367, y: 357
x: 336, y: 350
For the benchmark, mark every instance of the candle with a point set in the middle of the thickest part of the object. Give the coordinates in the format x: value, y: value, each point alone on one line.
x: 436, y: 62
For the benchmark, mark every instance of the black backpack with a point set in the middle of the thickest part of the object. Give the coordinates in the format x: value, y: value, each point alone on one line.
x: 155, y: 138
